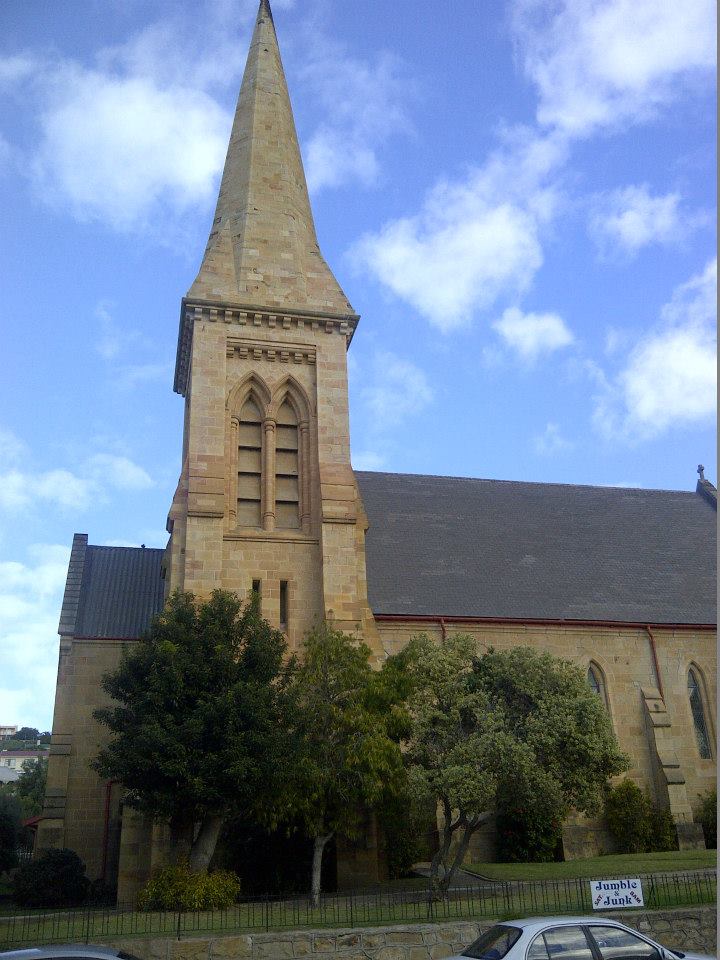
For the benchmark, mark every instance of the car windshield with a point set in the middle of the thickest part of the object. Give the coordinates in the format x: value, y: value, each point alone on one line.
x: 493, y: 944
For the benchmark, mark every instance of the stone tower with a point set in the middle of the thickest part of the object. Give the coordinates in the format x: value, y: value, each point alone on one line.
x: 267, y: 498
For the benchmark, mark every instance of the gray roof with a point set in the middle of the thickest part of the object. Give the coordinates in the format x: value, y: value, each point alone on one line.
x: 121, y: 590
x: 455, y: 547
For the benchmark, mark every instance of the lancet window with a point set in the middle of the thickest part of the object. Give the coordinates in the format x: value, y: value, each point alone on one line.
x: 268, y: 442
x: 596, y: 682
x: 287, y: 469
x: 249, y: 461
x: 697, y: 709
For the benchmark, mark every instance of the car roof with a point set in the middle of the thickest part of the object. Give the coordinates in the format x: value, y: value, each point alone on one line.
x: 527, y: 923
x: 61, y: 950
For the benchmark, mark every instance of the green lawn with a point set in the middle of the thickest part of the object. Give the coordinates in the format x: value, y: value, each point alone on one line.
x: 600, y: 867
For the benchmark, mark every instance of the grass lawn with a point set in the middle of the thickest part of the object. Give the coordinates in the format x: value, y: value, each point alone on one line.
x: 600, y: 867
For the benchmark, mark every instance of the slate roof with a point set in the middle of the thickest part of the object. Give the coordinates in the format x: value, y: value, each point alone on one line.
x: 121, y: 590
x: 455, y: 547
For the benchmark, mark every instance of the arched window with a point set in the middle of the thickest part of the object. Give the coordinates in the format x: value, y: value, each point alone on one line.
x: 287, y: 469
x: 698, y: 714
x: 249, y: 484
x: 596, y: 682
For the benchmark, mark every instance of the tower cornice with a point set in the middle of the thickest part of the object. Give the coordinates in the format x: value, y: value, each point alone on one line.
x: 252, y: 316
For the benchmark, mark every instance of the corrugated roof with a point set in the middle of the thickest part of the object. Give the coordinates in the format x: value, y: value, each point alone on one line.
x: 121, y: 590
x: 450, y: 546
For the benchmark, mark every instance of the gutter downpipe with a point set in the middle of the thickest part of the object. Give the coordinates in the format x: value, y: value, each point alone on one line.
x: 653, y: 651
x: 106, y: 826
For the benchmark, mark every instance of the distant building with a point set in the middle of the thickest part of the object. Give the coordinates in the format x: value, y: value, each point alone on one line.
x: 8, y: 731
x: 13, y: 761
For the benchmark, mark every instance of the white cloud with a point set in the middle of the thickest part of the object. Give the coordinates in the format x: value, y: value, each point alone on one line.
x: 474, y: 240
x: 397, y: 389
x: 630, y: 218
x: 109, y: 342
x: 363, y: 104
x: 670, y: 376
x: 368, y: 460
x: 118, y: 472
x: 11, y: 448
x: 22, y: 488
x: 551, y: 441
x: 119, y: 148
x: 604, y: 63
x: 532, y: 334
x: 30, y: 599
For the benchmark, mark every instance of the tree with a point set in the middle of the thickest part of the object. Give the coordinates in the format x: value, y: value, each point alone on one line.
x: 27, y: 733
x: 30, y: 786
x: 197, y: 729
x: 342, y: 757
x: 10, y: 817
x: 514, y: 724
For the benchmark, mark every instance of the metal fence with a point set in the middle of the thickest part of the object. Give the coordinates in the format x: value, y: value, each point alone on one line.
x: 417, y: 904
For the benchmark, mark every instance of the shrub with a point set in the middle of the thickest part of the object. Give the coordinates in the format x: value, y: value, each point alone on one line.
x: 178, y: 888
x: 662, y: 831
x: 627, y: 812
x: 528, y: 833
x: 706, y: 815
x: 56, y: 879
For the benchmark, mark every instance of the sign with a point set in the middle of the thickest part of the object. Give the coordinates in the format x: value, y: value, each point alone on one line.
x: 612, y: 894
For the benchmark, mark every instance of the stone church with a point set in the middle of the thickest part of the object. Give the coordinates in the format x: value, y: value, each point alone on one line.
x: 621, y: 581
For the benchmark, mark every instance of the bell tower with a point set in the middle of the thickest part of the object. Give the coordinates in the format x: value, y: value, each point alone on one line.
x: 267, y: 498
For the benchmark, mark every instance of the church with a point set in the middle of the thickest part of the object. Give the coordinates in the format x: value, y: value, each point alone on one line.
x: 621, y: 581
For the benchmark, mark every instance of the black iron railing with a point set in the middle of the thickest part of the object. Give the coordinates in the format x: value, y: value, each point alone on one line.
x: 489, y: 900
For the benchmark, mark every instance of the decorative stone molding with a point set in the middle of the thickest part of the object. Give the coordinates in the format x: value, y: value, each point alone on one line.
x: 271, y: 352
x: 252, y: 316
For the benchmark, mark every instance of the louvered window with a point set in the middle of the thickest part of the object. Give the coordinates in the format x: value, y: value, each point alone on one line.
x: 249, y: 484
x: 287, y: 470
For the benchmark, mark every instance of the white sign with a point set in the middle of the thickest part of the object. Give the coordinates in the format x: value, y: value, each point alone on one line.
x: 610, y: 894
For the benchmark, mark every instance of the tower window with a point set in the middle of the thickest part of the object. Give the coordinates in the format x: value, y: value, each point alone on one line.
x: 249, y: 483
x: 698, y: 714
x: 287, y: 469
x: 283, y: 605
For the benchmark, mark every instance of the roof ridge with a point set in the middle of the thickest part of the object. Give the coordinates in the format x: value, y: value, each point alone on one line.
x: 109, y: 546
x: 533, y: 483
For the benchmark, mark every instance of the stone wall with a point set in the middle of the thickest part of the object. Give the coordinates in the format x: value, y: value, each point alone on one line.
x: 684, y: 929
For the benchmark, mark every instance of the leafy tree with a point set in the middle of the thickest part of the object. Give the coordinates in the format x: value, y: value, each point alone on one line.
x: 706, y: 815
x: 342, y: 757
x: 10, y: 817
x: 27, y: 733
x: 30, y: 786
x: 56, y: 879
x: 514, y: 724
x: 197, y: 733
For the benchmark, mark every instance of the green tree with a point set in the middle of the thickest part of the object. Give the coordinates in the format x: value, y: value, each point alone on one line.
x: 30, y: 786
x: 27, y: 733
x: 343, y: 755
x: 197, y: 725
x: 10, y: 818
x: 515, y: 724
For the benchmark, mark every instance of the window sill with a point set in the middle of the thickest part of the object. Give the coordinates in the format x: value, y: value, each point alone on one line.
x: 252, y: 533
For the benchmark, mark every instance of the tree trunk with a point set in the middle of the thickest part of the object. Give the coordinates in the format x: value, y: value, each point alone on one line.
x: 203, y: 848
x: 181, y: 835
x: 470, y: 826
x: 318, y: 848
x: 440, y: 858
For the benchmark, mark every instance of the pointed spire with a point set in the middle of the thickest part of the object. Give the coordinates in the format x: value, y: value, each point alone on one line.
x: 263, y: 250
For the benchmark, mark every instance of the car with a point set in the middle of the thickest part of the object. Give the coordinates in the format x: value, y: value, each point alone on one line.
x: 68, y: 951
x: 568, y: 938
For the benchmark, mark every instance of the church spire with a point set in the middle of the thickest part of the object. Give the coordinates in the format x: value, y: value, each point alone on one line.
x: 263, y: 250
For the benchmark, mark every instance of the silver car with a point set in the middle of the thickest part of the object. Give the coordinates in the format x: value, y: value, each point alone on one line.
x: 568, y: 938
x: 69, y: 951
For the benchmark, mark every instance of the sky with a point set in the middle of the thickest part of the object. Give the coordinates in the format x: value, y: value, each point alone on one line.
x: 516, y: 195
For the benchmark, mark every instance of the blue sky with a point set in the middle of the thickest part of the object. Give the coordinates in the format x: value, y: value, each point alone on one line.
x: 516, y: 195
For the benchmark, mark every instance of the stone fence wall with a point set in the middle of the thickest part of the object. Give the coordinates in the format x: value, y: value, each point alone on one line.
x: 693, y: 929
